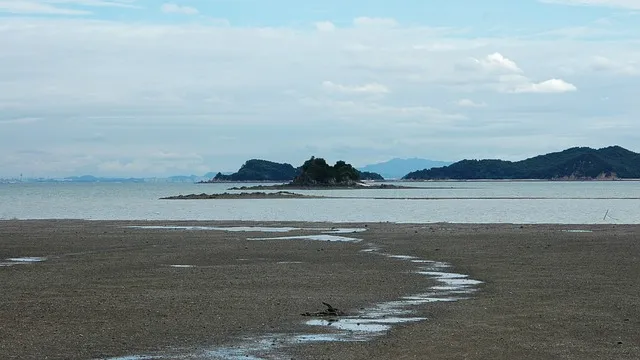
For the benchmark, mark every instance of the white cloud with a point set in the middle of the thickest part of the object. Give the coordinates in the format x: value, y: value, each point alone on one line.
x: 151, y: 89
x: 496, y: 72
x: 171, y: 8
x: 374, y: 22
x: 604, y: 64
x: 57, y: 7
x: 325, y: 26
x: 35, y: 7
x: 19, y: 121
x: 625, y: 4
x: 370, y: 88
x: 470, y: 103
x: 95, y: 3
x: 497, y: 62
x: 552, y: 86
x: 377, y: 123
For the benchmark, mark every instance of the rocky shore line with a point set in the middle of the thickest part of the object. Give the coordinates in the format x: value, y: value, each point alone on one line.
x: 244, y: 195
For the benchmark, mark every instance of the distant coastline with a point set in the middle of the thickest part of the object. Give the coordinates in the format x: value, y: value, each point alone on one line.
x: 574, y: 164
x: 612, y: 163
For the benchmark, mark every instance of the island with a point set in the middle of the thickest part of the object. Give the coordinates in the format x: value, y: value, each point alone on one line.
x: 577, y: 163
x: 257, y: 170
x: 316, y: 173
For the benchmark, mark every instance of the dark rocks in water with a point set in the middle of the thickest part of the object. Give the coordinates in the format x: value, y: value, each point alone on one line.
x: 292, y: 186
x: 252, y: 195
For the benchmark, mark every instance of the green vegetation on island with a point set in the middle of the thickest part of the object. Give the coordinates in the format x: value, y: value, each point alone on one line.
x: 263, y: 170
x: 316, y: 172
x: 260, y: 170
x: 370, y: 176
x: 578, y: 163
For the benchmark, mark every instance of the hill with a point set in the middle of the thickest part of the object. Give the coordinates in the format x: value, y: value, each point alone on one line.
x: 260, y: 170
x: 316, y: 172
x: 397, y: 168
x: 368, y: 175
x: 578, y: 163
x: 263, y: 170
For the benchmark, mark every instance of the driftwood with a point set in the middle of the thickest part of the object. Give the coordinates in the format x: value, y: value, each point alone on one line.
x: 329, y: 311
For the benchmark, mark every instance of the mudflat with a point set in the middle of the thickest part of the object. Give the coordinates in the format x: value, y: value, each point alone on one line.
x: 93, y: 289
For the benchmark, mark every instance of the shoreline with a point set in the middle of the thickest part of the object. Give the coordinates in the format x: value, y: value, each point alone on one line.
x: 289, y: 195
x: 230, y: 196
x: 547, y: 292
x: 324, y: 187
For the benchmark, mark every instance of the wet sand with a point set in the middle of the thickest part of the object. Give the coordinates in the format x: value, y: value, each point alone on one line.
x: 105, y: 290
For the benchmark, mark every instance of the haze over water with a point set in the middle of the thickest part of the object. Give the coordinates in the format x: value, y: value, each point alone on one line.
x: 456, y: 202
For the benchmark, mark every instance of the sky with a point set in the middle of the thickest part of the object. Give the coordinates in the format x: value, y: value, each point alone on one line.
x: 156, y: 88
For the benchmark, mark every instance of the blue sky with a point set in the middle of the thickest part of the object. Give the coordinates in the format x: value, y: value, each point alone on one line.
x: 486, y: 14
x: 155, y: 88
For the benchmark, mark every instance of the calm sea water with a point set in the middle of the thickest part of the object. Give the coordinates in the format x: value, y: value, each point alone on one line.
x: 460, y: 202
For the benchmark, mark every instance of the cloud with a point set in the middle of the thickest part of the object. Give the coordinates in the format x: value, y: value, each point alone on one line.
x: 499, y: 73
x: 171, y: 8
x: 604, y: 64
x: 197, y: 88
x: 370, y: 88
x: 467, y: 103
x: 356, y: 109
x: 35, y: 7
x: 19, y: 121
x: 57, y: 7
x: 497, y: 62
x: 325, y: 26
x: 374, y: 22
x: 97, y: 3
x: 624, y: 4
x: 552, y: 86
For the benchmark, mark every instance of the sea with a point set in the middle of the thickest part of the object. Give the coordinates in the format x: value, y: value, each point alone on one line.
x: 518, y: 202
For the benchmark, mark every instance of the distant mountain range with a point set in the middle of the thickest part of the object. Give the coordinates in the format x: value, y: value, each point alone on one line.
x: 578, y: 163
x: 100, y: 179
x: 397, y: 168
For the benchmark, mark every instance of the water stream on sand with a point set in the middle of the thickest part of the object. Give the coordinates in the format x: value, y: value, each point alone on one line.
x: 366, y: 324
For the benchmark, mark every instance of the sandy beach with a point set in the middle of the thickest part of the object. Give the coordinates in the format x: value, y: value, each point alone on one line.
x: 98, y: 289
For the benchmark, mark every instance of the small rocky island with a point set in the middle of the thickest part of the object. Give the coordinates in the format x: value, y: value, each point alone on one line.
x: 316, y: 173
x: 256, y: 170
x: 259, y: 170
